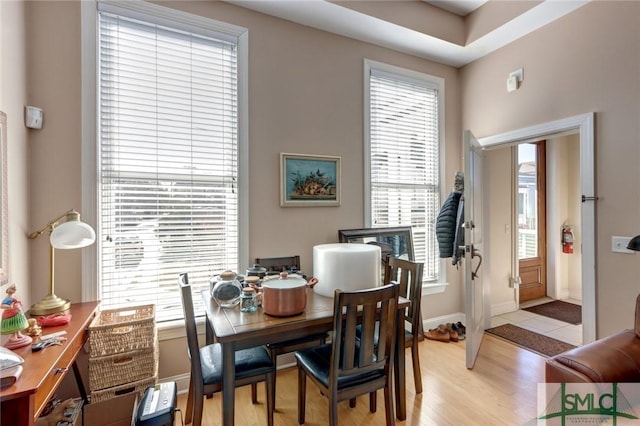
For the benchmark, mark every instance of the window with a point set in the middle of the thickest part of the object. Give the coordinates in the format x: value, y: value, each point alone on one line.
x: 403, y: 116
x: 169, y: 157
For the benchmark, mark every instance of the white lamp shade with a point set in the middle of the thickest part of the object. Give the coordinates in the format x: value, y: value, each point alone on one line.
x: 71, y: 235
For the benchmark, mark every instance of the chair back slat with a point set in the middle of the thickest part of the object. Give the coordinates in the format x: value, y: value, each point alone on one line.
x: 193, y: 346
x: 279, y: 264
x: 351, y: 355
x: 408, y: 275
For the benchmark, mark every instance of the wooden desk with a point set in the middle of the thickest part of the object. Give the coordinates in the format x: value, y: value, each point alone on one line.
x: 236, y: 330
x: 22, y: 403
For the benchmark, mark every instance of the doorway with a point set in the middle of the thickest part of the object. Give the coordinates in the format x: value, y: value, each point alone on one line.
x: 532, y: 220
x: 504, y: 283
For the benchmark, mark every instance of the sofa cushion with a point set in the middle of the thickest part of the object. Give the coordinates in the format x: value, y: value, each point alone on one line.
x: 615, y: 358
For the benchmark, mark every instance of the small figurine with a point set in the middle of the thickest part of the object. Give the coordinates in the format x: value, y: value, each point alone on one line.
x: 33, y: 329
x: 13, y: 320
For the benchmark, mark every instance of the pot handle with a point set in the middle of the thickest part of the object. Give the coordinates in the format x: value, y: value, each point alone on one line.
x: 312, y: 281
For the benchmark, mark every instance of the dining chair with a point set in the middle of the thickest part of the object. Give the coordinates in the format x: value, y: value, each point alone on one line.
x: 408, y: 275
x: 275, y: 265
x: 348, y: 367
x: 253, y: 365
x: 279, y: 264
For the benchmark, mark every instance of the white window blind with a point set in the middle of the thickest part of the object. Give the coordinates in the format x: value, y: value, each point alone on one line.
x: 168, y: 161
x: 404, y: 159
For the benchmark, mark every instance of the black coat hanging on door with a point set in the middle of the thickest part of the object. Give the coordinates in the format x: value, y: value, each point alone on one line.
x: 449, y: 230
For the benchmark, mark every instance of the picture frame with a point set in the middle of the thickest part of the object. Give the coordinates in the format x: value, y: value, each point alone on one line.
x: 393, y: 241
x: 309, y: 180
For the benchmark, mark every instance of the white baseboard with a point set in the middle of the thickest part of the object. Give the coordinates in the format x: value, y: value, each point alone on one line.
x: 182, y: 382
x: 434, y: 322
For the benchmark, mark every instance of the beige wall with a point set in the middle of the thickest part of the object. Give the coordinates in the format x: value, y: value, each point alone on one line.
x: 13, y: 97
x: 564, y: 277
x: 586, y: 61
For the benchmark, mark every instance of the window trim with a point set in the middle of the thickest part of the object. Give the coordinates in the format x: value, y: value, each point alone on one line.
x: 428, y: 287
x: 89, y: 132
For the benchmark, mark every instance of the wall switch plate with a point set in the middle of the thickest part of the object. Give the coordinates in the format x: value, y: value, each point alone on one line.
x: 33, y: 117
x: 619, y: 245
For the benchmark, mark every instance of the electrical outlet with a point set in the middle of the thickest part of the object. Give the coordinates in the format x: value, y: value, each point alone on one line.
x: 619, y: 245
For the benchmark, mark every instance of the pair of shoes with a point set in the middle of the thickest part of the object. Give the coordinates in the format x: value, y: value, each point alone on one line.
x: 453, y: 332
x: 440, y: 334
x: 461, y: 330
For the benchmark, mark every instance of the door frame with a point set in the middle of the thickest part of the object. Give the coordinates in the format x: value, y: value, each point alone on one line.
x: 582, y: 124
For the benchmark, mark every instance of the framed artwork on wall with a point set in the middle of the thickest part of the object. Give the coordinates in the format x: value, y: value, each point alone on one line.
x: 309, y: 180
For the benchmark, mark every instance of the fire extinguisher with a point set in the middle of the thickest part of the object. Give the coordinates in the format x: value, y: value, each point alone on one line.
x: 567, y: 239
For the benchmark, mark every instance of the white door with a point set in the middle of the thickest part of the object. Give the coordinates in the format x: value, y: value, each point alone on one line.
x: 476, y: 296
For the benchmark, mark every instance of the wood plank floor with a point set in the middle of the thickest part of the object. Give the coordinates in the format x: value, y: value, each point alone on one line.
x: 500, y: 390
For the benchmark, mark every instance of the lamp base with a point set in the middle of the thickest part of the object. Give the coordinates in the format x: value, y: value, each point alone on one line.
x: 51, y: 304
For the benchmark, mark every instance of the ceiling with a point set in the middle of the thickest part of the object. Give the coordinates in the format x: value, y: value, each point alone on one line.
x: 459, y: 7
x: 332, y: 17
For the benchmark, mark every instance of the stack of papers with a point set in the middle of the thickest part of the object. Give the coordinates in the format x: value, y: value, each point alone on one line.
x: 10, y: 367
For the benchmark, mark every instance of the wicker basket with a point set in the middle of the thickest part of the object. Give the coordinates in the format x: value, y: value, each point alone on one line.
x: 139, y: 387
x: 121, y: 330
x: 115, y: 370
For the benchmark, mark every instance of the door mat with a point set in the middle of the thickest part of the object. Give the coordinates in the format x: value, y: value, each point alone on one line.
x: 542, y: 345
x: 562, y: 311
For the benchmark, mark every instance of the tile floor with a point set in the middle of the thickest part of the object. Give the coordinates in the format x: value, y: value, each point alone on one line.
x: 540, y: 324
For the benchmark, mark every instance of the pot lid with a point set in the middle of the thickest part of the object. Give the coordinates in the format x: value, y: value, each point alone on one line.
x: 256, y: 269
x: 292, y: 281
x: 227, y: 275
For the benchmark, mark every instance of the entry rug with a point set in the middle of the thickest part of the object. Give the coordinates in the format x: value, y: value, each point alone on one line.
x: 562, y: 311
x: 542, y: 345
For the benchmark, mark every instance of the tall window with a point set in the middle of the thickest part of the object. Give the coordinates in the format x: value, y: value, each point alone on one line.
x: 168, y: 168
x: 403, y: 122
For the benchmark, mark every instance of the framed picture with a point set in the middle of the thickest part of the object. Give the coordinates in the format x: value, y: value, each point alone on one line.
x: 309, y: 180
x: 393, y: 242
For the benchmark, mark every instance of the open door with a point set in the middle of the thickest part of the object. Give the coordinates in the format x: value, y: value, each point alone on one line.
x: 476, y: 295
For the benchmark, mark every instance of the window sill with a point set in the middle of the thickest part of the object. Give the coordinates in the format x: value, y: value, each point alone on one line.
x: 433, y: 288
x: 175, y: 329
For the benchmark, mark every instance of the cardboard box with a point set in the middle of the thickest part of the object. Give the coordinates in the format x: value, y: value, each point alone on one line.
x: 118, y: 411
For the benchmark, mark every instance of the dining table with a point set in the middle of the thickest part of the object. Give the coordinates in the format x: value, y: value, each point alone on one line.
x: 235, y: 330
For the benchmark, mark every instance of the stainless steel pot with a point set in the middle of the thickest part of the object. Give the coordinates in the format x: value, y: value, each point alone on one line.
x: 285, y: 295
x: 257, y: 271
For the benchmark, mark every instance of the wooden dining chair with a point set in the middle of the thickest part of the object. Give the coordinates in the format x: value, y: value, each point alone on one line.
x: 348, y: 367
x: 253, y: 365
x: 275, y: 265
x: 279, y: 264
x: 408, y: 275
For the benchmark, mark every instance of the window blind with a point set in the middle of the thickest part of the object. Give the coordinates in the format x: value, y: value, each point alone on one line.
x: 404, y: 160
x: 168, y: 164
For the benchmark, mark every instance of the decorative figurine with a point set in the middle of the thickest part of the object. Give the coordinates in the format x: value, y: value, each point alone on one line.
x: 33, y: 329
x: 13, y: 320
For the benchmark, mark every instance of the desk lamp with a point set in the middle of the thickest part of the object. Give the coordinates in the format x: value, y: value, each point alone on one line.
x: 65, y: 232
x: 634, y: 243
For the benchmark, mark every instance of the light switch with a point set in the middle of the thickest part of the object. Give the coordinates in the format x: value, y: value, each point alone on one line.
x: 619, y: 245
x: 33, y: 117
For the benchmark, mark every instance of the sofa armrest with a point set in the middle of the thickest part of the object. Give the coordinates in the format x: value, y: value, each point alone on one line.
x: 613, y: 359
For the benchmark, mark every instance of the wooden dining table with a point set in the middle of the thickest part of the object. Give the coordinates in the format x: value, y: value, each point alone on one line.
x: 236, y: 330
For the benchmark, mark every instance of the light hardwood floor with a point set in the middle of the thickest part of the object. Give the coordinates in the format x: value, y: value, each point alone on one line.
x: 500, y: 390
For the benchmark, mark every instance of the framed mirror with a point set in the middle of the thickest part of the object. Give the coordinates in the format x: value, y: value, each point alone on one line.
x: 393, y: 242
x: 4, y: 225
